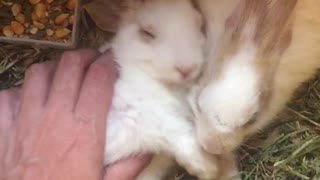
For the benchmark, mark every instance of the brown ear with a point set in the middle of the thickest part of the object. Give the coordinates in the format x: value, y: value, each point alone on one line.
x: 106, y: 14
x: 272, y: 22
x: 275, y: 18
x: 268, y: 14
x: 237, y: 17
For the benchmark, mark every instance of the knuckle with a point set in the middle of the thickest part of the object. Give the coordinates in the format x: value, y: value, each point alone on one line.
x: 81, y: 116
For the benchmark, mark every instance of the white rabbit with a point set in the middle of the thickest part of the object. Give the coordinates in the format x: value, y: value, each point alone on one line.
x: 159, y: 49
x: 266, y: 50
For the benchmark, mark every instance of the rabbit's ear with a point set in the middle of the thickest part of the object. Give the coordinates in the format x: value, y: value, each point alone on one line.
x: 266, y: 21
x: 107, y: 14
x: 274, y: 21
x: 234, y: 20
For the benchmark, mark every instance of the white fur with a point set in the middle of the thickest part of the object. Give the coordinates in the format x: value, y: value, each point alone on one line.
x: 297, y: 65
x: 179, y: 40
x: 147, y: 115
x: 232, y: 94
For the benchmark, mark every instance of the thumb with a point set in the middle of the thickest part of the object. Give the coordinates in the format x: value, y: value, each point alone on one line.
x: 127, y: 169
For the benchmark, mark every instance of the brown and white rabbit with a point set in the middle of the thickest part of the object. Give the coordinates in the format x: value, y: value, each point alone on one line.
x: 159, y: 49
x: 261, y: 53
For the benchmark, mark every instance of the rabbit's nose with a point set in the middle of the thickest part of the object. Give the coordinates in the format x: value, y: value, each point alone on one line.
x: 185, y: 70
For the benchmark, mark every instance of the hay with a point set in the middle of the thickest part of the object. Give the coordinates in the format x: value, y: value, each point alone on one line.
x: 15, y: 59
x: 294, y: 151
x: 290, y: 148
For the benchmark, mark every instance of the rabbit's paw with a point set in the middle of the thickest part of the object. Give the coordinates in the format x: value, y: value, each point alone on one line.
x: 204, y: 169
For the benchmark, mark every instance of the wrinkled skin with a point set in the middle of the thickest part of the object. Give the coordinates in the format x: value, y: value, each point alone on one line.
x: 54, y: 127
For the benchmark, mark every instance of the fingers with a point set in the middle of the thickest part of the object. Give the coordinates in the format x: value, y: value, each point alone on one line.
x: 34, y: 94
x: 56, y: 97
x: 128, y: 169
x: 9, y: 105
x: 69, y: 77
x: 96, y: 94
x: 36, y: 87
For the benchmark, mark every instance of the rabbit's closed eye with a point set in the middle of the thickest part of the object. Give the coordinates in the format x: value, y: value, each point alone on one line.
x: 147, y: 33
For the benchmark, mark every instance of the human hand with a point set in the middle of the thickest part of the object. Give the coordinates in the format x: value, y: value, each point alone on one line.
x: 59, y: 130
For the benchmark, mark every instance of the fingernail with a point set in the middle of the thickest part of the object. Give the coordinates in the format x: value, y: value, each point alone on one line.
x: 108, y: 56
x: 108, y: 52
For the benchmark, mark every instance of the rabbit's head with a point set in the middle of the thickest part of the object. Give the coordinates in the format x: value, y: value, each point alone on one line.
x: 162, y: 37
x: 229, y: 104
